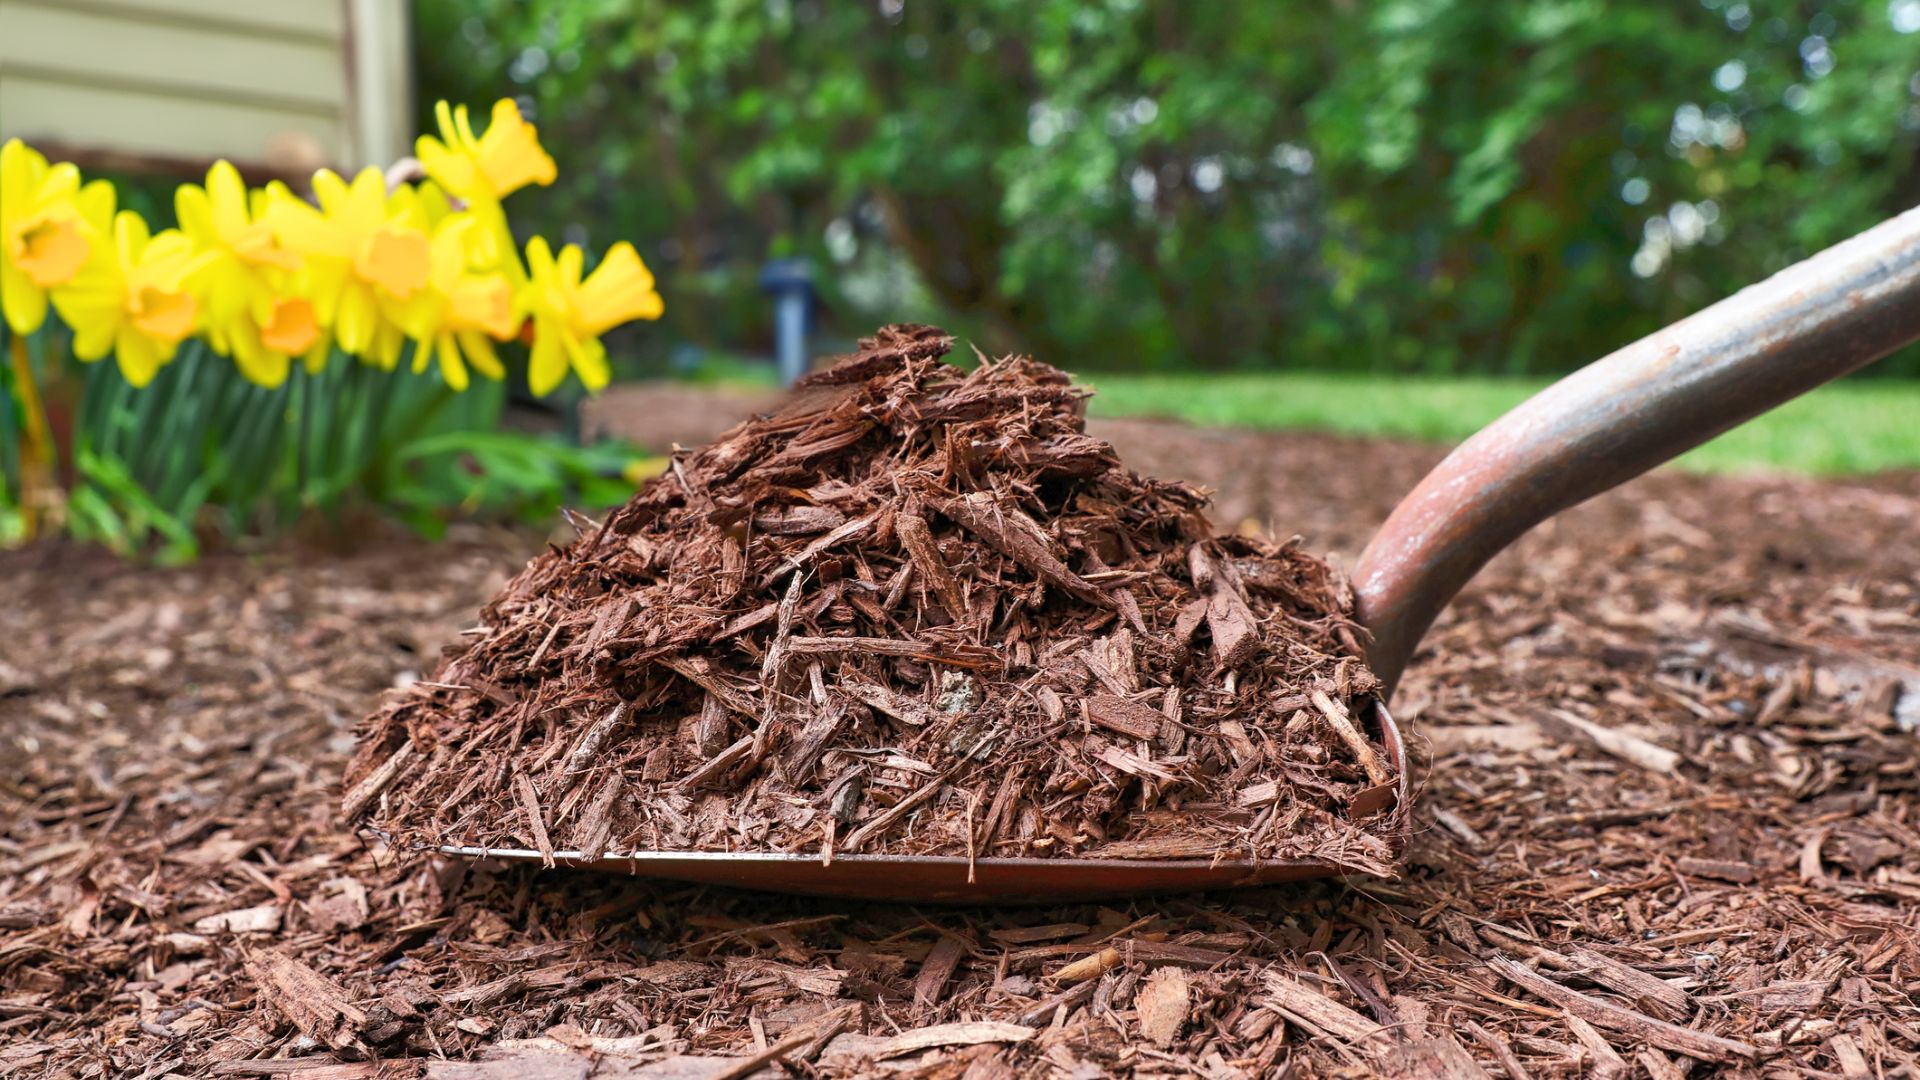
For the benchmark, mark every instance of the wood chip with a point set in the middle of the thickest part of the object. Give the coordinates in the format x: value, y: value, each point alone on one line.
x: 1342, y: 724
x: 1649, y: 992
x: 1853, y: 1063
x: 369, y: 787
x: 1012, y: 533
x: 1088, y: 967
x: 963, y: 1034
x: 310, y: 1001
x: 930, y: 985
x: 920, y: 546
x: 1502, y: 1051
x: 1725, y: 870
x: 264, y: 918
x: 1161, y: 1005
x: 536, y: 826
x: 595, y: 740
x: 1318, y: 1012
x: 1603, y: 1061
x: 1428, y: 1059
x: 1126, y: 717
x: 796, y: 1045
x: 1695, y: 1044
x: 1629, y: 748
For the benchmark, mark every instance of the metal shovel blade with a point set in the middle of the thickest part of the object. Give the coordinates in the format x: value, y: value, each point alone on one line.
x: 955, y: 879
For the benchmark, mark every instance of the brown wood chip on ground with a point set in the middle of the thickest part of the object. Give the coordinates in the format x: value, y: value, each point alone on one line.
x: 961, y: 1034
x: 1319, y: 1013
x: 856, y: 622
x: 310, y: 1001
x: 1605, y: 1014
x: 1162, y: 1002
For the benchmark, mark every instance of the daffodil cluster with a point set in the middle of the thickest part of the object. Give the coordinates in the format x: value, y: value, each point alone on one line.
x: 266, y: 277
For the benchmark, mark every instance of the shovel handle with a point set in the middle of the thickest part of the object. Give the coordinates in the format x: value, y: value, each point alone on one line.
x: 1625, y: 413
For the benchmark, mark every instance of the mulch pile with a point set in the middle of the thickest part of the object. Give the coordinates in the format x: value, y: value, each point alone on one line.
x: 914, y: 610
x: 1669, y: 824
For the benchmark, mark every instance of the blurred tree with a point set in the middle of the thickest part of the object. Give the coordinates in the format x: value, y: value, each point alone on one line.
x: 1496, y: 185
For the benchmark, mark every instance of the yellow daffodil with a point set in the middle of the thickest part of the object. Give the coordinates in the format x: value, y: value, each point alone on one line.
x: 569, y: 315
x: 482, y: 171
x: 133, y: 300
x: 365, y: 257
x: 49, y: 226
x: 468, y: 303
x: 489, y: 168
x: 245, y: 285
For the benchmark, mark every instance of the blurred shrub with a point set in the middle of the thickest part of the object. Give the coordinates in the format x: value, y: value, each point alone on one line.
x: 1436, y: 185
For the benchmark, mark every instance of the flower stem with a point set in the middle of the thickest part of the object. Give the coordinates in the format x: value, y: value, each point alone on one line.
x: 39, y: 496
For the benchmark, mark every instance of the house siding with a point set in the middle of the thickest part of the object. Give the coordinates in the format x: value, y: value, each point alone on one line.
x: 283, y: 85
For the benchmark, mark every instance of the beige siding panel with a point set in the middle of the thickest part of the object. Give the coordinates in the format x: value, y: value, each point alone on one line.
x: 86, y: 45
x: 316, y: 18
x: 382, y: 80
x: 41, y: 110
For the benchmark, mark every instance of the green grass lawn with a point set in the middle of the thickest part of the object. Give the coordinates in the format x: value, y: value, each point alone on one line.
x: 1851, y: 427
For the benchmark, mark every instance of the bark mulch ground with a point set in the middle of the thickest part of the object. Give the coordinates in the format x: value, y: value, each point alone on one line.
x: 1668, y: 823
x: 914, y: 610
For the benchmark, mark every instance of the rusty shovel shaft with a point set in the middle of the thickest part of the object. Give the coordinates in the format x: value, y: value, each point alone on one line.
x: 1628, y: 412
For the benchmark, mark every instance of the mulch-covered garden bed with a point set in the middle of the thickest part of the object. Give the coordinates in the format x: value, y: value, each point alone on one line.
x: 1668, y: 821
x: 913, y: 610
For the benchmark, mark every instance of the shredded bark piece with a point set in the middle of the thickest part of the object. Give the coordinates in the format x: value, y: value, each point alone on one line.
x: 309, y: 1000
x: 1162, y: 1003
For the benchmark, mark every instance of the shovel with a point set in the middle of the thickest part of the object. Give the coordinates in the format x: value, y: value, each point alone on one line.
x: 1597, y: 428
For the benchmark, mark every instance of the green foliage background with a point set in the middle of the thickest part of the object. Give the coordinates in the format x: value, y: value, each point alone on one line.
x: 1401, y: 185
